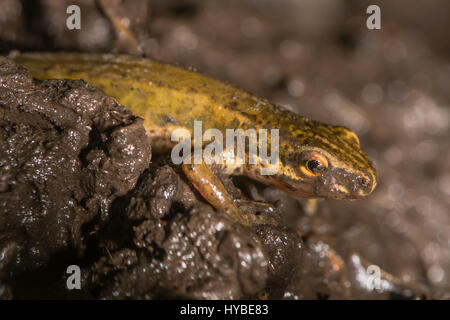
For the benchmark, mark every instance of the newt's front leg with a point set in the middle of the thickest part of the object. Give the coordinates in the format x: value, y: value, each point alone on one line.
x: 213, y: 191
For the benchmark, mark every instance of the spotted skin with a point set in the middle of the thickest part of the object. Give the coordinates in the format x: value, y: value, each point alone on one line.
x: 168, y: 97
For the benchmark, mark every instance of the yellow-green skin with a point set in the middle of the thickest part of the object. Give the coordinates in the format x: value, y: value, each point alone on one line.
x: 168, y: 97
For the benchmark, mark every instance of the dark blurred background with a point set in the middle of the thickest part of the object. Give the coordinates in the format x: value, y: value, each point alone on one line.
x: 317, y: 58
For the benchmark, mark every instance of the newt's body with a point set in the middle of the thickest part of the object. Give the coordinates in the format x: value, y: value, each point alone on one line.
x: 315, y: 159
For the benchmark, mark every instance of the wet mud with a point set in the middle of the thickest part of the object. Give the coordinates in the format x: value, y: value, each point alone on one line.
x: 79, y: 184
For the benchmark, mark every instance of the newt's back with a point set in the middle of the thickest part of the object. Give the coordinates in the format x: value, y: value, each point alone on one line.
x: 316, y: 159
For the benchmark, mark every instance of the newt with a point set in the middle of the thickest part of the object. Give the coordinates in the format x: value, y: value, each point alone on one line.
x: 316, y: 160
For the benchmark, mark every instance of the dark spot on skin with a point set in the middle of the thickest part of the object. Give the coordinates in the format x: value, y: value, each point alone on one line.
x: 168, y: 119
x: 192, y: 90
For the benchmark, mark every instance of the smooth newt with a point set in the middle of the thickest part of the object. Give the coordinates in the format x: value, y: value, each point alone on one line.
x: 315, y: 159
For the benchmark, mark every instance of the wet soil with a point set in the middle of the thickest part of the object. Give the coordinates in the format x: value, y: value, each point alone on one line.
x: 77, y: 185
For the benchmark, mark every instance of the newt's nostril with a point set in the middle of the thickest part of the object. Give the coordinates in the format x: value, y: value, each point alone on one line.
x: 364, y: 181
x: 366, y: 184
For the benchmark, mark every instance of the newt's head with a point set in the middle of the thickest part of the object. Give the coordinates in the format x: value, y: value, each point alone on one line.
x: 319, y: 160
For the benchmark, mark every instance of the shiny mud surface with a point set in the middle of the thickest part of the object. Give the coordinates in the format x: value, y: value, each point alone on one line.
x: 145, y: 233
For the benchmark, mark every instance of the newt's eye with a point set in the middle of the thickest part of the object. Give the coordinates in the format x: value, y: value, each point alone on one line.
x: 314, y: 164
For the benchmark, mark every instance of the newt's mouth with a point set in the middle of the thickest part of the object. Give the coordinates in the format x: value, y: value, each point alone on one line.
x: 356, y: 188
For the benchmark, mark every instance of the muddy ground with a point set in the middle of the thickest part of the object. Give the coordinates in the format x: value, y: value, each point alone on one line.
x: 69, y: 194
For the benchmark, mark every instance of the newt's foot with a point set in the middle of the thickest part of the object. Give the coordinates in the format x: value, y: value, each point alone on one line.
x: 213, y: 191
